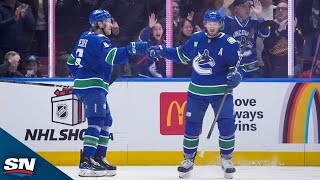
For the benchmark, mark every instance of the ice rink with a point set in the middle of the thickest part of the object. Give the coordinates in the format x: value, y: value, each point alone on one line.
x: 206, y: 173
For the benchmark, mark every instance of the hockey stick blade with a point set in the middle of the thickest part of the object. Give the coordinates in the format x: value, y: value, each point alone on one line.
x: 253, y: 30
x: 35, y: 83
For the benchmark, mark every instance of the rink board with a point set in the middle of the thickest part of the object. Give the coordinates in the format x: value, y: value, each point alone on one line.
x: 277, y: 122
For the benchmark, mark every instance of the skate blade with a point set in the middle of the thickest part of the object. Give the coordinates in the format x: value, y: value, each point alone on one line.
x: 90, y: 173
x: 110, y: 173
x: 228, y: 175
x: 184, y: 174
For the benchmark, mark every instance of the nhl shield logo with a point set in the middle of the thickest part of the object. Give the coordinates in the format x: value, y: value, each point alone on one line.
x: 62, y: 112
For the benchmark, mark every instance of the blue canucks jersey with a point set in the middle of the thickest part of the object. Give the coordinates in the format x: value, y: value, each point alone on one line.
x: 91, y: 62
x: 212, y: 59
x: 240, y: 32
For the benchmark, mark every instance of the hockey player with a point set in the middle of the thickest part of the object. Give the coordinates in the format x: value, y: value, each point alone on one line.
x: 91, y: 64
x: 239, y: 25
x: 213, y: 55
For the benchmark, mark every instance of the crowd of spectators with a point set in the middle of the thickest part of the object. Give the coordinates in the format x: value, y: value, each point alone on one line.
x: 24, y: 30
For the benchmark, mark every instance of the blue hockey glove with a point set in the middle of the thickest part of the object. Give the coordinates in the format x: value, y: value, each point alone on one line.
x: 155, y: 51
x: 233, y: 80
x: 137, y: 48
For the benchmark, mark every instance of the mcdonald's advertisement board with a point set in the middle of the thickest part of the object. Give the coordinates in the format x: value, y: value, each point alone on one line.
x: 276, y: 123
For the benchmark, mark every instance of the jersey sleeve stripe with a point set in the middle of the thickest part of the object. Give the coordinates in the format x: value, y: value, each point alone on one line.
x: 70, y: 60
x: 183, y: 58
x: 260, y: 34
x: 111, y: 55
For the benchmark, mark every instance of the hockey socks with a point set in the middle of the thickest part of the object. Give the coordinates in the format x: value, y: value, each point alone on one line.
x: 190, y: 146
x: 191, y: 139
x: 226, y: 144
x: 103, y: 142
x: 91, y: 136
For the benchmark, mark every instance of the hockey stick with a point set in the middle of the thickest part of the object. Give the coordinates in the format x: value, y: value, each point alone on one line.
x: 251, y: 33
x: 35, y: 83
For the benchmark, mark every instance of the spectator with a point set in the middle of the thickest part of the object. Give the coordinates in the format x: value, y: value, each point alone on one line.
x: 307, y: 12
x: 40, y: 13
x: 33, y: 66
x: 176, y: 12
x: 41, y: 34
x: 16, y: 28
x: 200, y: 8
x: 131, y: 17
x: 67, y: 24
x: 185, y: 31
x: 275, y: 53
x: 154, y: 34
x: 267, y: 14
x: 10, y: 66
x: 314, y: 72
x: 61, y: 68
x: 239, y: 26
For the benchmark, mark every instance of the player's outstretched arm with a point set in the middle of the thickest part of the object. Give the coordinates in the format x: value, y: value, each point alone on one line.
x: 137, y: 48
x: 173, y: 54
x: 121, y: 55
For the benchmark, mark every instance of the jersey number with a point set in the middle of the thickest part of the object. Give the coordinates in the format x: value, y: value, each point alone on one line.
x: 79, y: 54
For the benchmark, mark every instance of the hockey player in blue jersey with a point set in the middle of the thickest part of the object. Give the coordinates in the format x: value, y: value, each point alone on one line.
x: 239, y: 25
x: 91, y: 64
x: 213, y: 55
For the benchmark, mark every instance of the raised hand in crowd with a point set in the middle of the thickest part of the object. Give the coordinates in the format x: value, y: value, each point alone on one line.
x: 152, y: 20
x: 283, y: 25
x: 190, y: 16
x: 21, y: 12
x: 257, y: 8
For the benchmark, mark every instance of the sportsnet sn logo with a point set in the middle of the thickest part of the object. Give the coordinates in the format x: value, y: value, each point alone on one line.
x: 19, y: 166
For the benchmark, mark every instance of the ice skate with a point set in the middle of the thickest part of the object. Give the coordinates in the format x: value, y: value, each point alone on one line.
x: 109, y: 168
x: 227, y: 168
x: 89, y: 168
x: 185, y: 168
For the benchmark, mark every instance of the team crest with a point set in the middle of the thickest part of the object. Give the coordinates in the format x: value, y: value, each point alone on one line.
x: 203, y: 63
x: 62, y: 111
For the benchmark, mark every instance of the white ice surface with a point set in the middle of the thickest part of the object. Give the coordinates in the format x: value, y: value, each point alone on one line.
x: 205, y: 173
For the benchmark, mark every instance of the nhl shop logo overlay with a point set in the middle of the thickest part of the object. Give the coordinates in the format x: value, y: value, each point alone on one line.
x: 19, y: 166
x: 17, y: 160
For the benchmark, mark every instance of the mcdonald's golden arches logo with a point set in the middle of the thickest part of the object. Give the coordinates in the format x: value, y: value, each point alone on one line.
x: 172, y: 113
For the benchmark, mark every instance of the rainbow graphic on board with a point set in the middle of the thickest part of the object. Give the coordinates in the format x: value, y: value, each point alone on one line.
x: 298, y: 111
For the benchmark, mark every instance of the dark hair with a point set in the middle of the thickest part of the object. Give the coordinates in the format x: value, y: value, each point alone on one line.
x: 282, y: 1
x: 181, y: 38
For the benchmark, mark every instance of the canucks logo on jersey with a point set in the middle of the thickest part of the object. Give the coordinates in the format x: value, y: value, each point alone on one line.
x: 242, y: 37
x: 203, y: 63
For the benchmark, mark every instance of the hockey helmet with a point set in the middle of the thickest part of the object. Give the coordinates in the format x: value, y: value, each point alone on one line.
x: 98, y: 15
x: 212, y: 15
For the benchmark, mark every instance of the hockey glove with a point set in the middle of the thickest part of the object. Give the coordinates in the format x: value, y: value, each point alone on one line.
x: 137, y: 48
x: 233, y: 80
x: 156, y: 51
